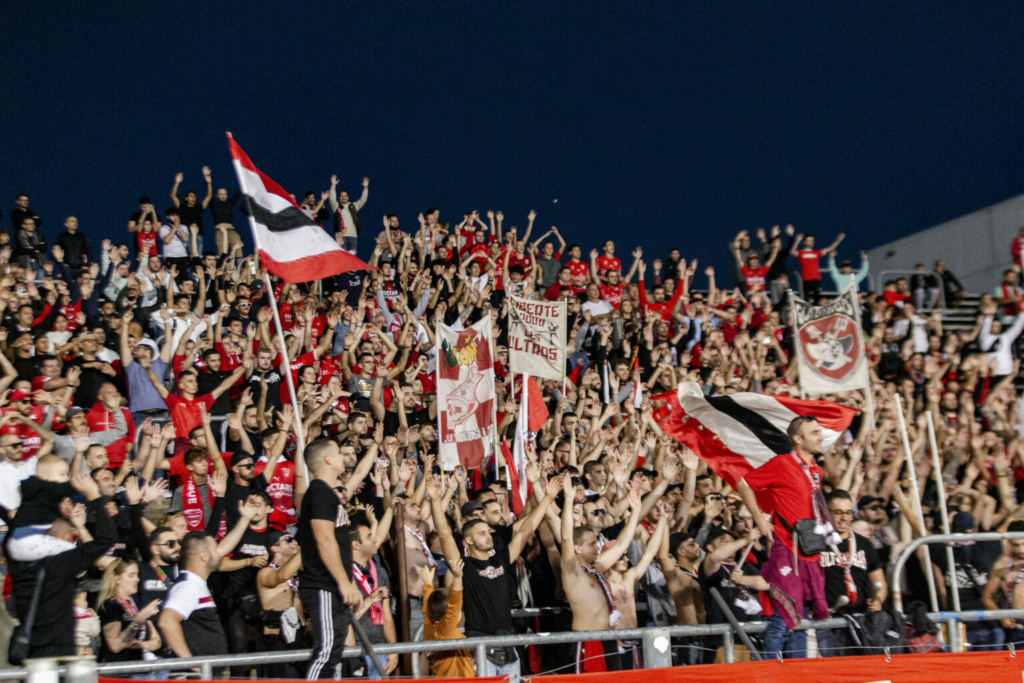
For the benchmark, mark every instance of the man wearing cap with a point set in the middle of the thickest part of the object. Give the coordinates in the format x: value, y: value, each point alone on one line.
x: 138, y: 356
x: 754, y: 274
x: 278, y: 588
x: 718, y: 570
x: 872, y: 510
x: 844, y: 276
x: 27, y: 423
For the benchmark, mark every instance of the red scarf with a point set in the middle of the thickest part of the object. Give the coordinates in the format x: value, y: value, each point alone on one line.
x: 368, y: 586
x: 192, y: 505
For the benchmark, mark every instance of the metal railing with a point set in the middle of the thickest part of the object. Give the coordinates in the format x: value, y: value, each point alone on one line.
x: 953, y: 634
x: 656, y: 652
x: 908, y: 274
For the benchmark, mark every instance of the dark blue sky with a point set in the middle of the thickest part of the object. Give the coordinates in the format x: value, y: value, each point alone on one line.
x: 669, y: 124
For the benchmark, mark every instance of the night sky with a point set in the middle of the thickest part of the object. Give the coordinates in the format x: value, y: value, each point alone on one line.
x: 664, y: 124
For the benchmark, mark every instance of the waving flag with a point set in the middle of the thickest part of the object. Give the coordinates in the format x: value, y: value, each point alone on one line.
x: 466, y: 407
x: 291, y: 245
x: 738, y: 433
x: 532, y: 416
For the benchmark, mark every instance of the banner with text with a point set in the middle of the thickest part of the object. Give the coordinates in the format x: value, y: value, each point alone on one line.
x: 466, y: 408
x: 536, y: 338
x: 830, y: 346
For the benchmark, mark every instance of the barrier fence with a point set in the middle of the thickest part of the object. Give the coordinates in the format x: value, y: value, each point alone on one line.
x: 657, y: 652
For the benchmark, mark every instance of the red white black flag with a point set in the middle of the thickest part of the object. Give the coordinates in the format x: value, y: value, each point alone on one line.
x: 738, y: 433
x: 291, y: 245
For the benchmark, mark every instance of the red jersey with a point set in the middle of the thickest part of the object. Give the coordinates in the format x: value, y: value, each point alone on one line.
x: 754, y: 278
x: 665, y: 307
x: 526, y: 261
x: 783, y: 486
x: 579, y: 274
x: 613, y: 294
x: 281, y: 489
x: 145, y: 243
x: 605, y: 263
x: 892, y: 297
x: 100, y: 419
x: 809, y: 268
x: 185, y: 413
x: 30, y: 441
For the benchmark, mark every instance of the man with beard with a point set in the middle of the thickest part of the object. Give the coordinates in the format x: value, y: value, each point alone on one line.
x: 487, y: 603
x: 791, y: 484
x: 159, y: 569
x: 679, y: 557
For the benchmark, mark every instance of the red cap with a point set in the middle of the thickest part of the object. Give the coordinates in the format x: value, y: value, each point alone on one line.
x: 19, y: 395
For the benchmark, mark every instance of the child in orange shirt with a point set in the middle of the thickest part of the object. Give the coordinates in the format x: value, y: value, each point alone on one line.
x: 441, y: 610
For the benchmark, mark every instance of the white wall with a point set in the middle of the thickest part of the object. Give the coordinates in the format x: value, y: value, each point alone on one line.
x: 975, y: 247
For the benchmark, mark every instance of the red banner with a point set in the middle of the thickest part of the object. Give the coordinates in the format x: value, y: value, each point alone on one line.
x: 935, y: 668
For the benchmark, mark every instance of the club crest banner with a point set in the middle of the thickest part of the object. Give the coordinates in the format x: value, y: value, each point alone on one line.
x: 830, y: 345
x: 466, y: 408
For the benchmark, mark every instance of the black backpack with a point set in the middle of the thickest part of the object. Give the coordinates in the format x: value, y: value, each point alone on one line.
x: 874, y: 633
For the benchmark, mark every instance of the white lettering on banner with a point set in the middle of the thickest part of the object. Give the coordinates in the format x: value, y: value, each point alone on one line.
x: 536, y: 338
x: 830, y: 345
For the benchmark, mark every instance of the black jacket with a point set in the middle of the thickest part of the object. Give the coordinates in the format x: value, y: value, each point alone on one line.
x: 54, y: 631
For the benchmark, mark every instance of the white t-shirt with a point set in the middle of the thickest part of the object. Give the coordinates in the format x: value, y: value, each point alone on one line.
x: 599, y: 308
x: 11, y: 477
x: 176, y: 247
x: 188, y: 595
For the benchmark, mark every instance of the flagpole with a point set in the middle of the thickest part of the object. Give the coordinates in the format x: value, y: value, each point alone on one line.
x: 300, y: 459
x: 914, y: 491
x: 940, y: 487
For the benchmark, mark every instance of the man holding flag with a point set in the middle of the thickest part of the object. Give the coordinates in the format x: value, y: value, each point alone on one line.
x: 789, y: 486
x: 765, y: 448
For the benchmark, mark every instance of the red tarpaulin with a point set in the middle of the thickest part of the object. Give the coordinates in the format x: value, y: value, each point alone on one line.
x: 990, y: 667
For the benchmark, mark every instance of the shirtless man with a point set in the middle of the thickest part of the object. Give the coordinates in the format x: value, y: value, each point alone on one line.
x: 278, y: 591
x: 622, y: 580
x: 593, y: 605
x: 1007, y: 579
x: 679, y: 557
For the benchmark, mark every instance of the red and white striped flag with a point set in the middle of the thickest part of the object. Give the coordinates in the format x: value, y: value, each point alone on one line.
x: 532, y: 416
x: 291, y: 245
x: 738, y: 433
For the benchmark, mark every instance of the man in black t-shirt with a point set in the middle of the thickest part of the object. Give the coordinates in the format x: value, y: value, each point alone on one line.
x: 855, y: 573
x: 240, y: 603
x: 325, y: 587
x: 211, y: 378
x: 487, y: 597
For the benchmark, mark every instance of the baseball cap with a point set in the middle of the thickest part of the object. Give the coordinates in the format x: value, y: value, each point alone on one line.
x: 72, y: 411
x: 239, y: 458
x: 152, y: 346
x: 717, y: 532
x: 867, y: 501
x: 677, y: 539
x: 469, y: 507
x: 963, y: 523
x: 19, y: 395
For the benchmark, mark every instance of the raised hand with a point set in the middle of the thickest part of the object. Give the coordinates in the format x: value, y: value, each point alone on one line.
x: 179, y: 177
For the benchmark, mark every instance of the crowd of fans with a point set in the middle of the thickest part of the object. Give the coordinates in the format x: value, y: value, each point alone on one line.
x: 149, y: 445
